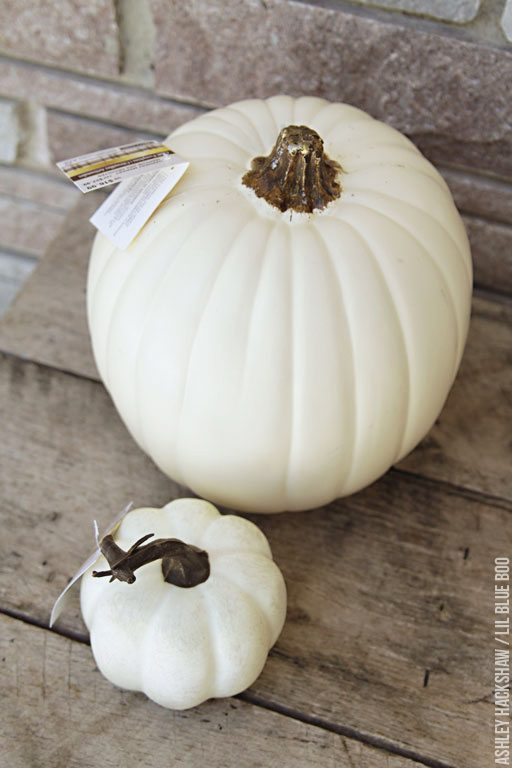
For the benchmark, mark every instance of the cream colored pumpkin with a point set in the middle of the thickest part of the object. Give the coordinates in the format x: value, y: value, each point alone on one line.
x: 275, y: 361
x: 178, y: 645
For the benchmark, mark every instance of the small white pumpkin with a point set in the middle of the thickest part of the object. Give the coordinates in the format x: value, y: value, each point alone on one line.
x: 183, y: 645
x: 276, y: 342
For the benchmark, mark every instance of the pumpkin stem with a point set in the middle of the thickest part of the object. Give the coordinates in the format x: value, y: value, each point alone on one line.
x: 182, y: 564
x: 297, y: 175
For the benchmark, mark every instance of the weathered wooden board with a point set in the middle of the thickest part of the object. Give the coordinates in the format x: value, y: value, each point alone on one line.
x: 469, y: 446
x: 58, y: 711
x: 388, y: 631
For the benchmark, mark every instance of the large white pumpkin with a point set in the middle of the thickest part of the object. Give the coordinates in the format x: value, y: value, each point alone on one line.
x: 274, y: 359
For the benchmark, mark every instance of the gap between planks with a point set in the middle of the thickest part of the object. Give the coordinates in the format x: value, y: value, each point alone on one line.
x: 494, y: 500
x: 259, y: 701
x: 62, y: 712
x: 422, y: 499
x: 347, y: 570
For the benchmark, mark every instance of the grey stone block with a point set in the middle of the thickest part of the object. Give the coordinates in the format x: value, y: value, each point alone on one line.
x: 27, y: 227
x: 9, y: 131
x: 69, y: 33
x: 457, y: 11
x: 506, y: 20
x: 124, y: 105
x: 14, y: 270
x: 425, y: 84
x: 69, y: 136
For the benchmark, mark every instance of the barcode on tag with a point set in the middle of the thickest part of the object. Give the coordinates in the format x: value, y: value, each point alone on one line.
x: 110, y: 166
x: 126, y: 210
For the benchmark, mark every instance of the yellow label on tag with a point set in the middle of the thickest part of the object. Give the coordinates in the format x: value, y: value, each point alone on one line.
x: 109, y: 166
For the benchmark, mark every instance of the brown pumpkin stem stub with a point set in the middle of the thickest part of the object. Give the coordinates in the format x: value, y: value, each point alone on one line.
x: 297, y: 175
x: 182, y: 564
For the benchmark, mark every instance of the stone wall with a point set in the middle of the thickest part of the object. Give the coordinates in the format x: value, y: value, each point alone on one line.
x: 77, y: 76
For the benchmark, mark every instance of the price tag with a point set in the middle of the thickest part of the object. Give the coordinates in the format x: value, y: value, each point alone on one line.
x: 145, y: 171
x: 126, y: 210
x: 110, y: 166
x: 63, y: 598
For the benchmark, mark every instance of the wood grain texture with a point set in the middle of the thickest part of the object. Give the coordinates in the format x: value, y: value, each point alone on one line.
x: 58, y: 711
x: 470, y: 444
x: 383, y: 586
x: 491, y: 247
x: 480, y: 196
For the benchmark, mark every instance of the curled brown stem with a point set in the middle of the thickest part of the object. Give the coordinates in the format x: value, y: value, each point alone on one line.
x: 182, y: 564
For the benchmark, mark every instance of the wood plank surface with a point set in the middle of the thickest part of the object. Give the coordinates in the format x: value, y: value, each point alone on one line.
x: 389, y: 623
x: 470, y: 445
x: 58, y: 711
